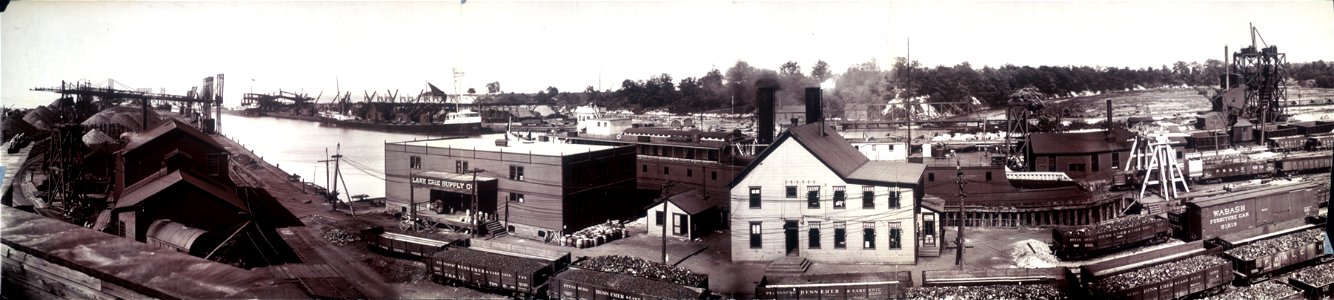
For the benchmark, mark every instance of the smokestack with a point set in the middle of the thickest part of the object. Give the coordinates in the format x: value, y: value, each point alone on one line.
x: 814, y: 112
x: 1108, y: 136
x: 217, y: 127
x: 764, y: 99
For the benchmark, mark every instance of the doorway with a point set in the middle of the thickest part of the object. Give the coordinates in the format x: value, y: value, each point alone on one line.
x: 790, y: 232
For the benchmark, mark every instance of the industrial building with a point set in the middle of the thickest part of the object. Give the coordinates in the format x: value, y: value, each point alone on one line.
x: 535, y: 190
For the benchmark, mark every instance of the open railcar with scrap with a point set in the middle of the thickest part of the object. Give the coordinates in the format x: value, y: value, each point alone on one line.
x: 1094, y: 239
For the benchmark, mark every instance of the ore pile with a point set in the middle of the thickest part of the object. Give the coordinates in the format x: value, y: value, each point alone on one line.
x: 1262, y: 291
x: 638, y: 267
x: 1157, y: 273
x: 1318, y: 276
x: 1278, y: 244
x: 340, y: 237
x: 989, y: 292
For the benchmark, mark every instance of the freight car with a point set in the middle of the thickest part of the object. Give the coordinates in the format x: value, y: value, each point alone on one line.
x: 1019, y: 283
x: 1170, y: 273
x: 376, y: 238
x: 1246, y: 213
x: 1088, y: 240
x: 578, y: 283
x: 497, y: 272
x: 888, y: 285
x: 1317, y: 142
x: 1271, y: 290
x: 1286, y: 143
x: 1316, y: 282
x: 1303, y: 162
x: 1257, y: 261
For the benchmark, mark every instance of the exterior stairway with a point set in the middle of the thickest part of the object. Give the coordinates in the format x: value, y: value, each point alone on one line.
x: 789, y: 264
x: 495, y: 229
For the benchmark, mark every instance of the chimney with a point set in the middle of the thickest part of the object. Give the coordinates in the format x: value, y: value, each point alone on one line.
x: 764, y: 116
x: 814, y: 112
x: 1108, y: 136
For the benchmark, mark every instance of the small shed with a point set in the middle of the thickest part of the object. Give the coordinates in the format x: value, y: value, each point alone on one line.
x: 688, y: 215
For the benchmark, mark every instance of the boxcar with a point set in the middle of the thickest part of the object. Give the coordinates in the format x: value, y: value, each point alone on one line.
x: 1304, y: 162
x: 1082, y: 241
x: 1316, y: 282
x: 1237, y: 170
x: 1254, y: 211
x: 377, y: 238
x: 577, y: 283
x: 888, y: 285
x: 510, y: 274
x: 1256, y: 261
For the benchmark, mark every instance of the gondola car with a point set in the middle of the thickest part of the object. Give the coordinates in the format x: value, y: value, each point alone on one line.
x: 1316, y: 282
x: 401, y: 244
x: 1089, y: 240
x: 1257, y: 260
x: 1303, y: 162
x: 1323, y: 141
x: 1169, y: 273
x: 887, y: 285
x: 497, y: 272
x: 578, y: 283
x: 1020, y: 283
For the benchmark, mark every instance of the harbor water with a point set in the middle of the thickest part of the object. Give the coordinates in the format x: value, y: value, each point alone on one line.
x: 296, y: 147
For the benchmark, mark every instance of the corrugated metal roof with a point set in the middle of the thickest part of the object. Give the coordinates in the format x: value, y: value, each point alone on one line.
x: 172, y: 126
x: 152, y: 186
x: 1080, y: 142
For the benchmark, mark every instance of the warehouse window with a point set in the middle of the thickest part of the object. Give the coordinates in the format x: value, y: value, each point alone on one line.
x: 868, y: 235
x: 791, y: 191
x: 690, y: 172
x: 895, y: 235
x: 216, y: 163
x: 930, y: 176
x: 754, y: 197
x: 645, y: 168
x: 516, y: 197
x: 868, y: 197
x: 1076, y: 167
x: 813, y: 196
x: 840, y: 235
x: 755, y: 242
x: 666, y: 171
x: 460, y: 166
x: 516, y: 173
x: 894, y: 199
x: 813, y: 237
x: 840, y: 197
x: 1096, y: 165
x: 988, y: 175
x: 1116, y: 160
x: 1051, y: 163
x: 415, y: 162
x: 715, y: 175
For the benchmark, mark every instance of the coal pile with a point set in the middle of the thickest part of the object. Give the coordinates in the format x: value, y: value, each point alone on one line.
x: 1262, y: 291
x: 340, y: 237
x: 639, y: 267
x: 490, y: 261
x: 989, y: 292
x: 1127, y: 222
x: 1157, y: 273
x: 1278, y: 244
x: 1320, y: 275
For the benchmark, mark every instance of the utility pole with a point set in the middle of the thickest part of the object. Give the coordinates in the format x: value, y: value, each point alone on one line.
x: 958, y: 254
x: 665, y: 189
x: 412, y: 201
x: 476, y: 225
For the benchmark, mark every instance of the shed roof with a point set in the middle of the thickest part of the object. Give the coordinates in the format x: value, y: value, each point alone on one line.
x: 692, y: 201
x: 166, y: 128
x: 151, y: 186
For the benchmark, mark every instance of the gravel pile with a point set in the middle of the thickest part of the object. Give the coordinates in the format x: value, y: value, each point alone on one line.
x: 638, y: 267
x: 990, y: 292
x: 1157, y: 273
x: 1278, y: 244
x: 1268, y: 290
x: 1318, y: 276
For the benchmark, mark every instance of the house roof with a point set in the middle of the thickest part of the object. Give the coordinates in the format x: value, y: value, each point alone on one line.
x: 692, y: 201
x: 151, y: 186
x: 838, y: 154
x: 1080, y: 142
x: 164, y: 129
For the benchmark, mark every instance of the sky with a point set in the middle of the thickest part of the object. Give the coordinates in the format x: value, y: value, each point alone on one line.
x: 326, y: 47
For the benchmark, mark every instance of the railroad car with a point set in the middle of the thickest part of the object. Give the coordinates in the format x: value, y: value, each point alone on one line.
x: 1088, y: 240
x: 887, y: 285
x: 1316, y: 142
x: 402, y: 244
x: 579, y: 283
x: 1270, y: 290
x: 1169, y: 273
x: 1017, y: 283
x: 1303, y: 163
x: 1258, y: 260
x: 1247, y: 213
x: 1316, y: 282
x: 1286, y: 143
x: 505, y: 273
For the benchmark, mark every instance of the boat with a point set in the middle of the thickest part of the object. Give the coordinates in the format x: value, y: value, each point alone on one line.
x: 462, y: 122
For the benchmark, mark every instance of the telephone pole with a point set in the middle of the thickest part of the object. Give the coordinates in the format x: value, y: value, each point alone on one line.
x: 476, y: 225
x: 958, y: 254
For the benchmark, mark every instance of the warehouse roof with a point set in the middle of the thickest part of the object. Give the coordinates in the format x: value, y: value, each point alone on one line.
x: 1080, y: 142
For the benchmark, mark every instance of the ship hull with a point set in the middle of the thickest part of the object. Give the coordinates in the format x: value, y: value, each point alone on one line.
x: 451, y: 128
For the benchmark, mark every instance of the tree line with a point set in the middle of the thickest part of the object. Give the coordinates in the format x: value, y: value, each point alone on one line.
x: 733, y: 90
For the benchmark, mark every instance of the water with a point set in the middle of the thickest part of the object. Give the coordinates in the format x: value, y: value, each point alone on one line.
x: 295, y: 146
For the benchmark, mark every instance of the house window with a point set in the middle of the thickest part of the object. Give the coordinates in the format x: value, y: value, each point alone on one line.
x: 930, y: 176
x: 791, y: 191
x: 840, y: 197
x: 988, y: 175
x: 754, y: 197
x: 658, y: 217
x: 516, y: 197
x: 813, y: 196
x: 813, y: 237
x: 516, y: 173
x: 1116, y: 160
x: 460, y: 166
x: 415, y: 162
x: 868, y: 235
x: 715, y: 175
x: 690, y: 172
x: 895, y: 235
x: 1076, y: 167
x: 644, y: 168
x: 1096, y: 165
x: 868, y: 197
x: 755, y: 242
x: 840, y: 235
x: 894, y: 199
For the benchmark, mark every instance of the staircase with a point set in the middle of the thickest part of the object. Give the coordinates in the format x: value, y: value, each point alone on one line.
x: 789, y: 264
x: 495, y: 229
